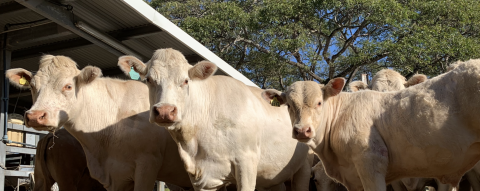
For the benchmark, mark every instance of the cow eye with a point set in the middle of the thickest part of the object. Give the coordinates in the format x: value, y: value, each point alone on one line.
x: 319, y: 103
x: 67, y: 87
x: 186, y: 82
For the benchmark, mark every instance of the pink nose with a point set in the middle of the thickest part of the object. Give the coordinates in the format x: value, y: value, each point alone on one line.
x: 165, y: 114
x: 35, y: 118
x: 303, y: 133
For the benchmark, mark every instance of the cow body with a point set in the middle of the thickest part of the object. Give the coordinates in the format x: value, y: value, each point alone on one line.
x: 368, y: 139
x: 61, y: 159
x: 221, y: 126
x: 109, y: 117
x: 388, y: 80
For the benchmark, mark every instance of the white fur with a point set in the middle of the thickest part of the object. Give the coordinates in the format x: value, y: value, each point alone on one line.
x: 109, y: 117
x: 222, y: 128
x: 368, y: 139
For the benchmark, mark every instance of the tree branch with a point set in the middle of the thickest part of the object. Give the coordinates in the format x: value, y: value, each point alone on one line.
x: 301, y: 67
x: 365, y: 62
x: 350, y: 40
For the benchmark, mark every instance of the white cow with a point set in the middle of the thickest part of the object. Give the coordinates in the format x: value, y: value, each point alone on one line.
x: 222, y: 127
x: 368, y: 139
x: 388, y: 80
x: 109, y: 117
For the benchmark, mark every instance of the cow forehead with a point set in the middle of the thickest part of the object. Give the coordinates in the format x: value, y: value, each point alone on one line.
x: 168, y: 70
x: 304, y: 93
x: 168, y: 64
x: 53, y: 77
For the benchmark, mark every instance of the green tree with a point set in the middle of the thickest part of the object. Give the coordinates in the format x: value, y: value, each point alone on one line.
x: 277, y: 42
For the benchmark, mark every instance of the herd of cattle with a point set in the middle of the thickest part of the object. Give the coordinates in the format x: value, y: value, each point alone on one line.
x: 194, y: 130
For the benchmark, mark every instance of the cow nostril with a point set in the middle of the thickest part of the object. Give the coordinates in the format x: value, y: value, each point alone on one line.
x: 309, y: 130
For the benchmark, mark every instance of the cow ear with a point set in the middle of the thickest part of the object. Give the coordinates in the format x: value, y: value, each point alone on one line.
x: 274, y: 97
x: 127, y: 62
x: 88, y: 74
x: 356, y: 86
x: 202, y: 70
x: 19, y: 77
x: 416, y: 79
x: 333, y: 88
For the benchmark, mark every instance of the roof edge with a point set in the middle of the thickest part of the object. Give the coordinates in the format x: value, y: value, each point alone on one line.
x: 166, y: 25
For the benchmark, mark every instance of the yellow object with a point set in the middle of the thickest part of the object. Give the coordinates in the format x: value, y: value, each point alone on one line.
x: 22, y: 81
x: 16, y: 136
x: 275, y: 102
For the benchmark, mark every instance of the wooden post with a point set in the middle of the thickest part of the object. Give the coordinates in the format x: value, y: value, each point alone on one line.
x: 364, y: 78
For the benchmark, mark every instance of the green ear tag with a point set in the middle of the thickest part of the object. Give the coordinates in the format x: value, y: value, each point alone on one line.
x: 134, y: 75
x: 275, y: 102
x: 23, y: 81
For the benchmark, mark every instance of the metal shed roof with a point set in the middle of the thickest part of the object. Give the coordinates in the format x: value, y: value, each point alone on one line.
x: 120, y: 27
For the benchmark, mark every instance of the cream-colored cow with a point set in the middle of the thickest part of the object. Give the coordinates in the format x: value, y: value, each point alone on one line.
x: 224, y: 130
x: 388, y: 80
x: 368, y: 139
x: 109, y: 117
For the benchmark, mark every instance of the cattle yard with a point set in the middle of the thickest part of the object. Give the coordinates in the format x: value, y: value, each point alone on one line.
x: 72, y: 71
x: 92, y: 33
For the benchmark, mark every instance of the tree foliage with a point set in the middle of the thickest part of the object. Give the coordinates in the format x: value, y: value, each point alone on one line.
x: 277, y: 42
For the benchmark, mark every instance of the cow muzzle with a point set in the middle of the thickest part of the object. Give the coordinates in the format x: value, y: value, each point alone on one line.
x: 302, y: 134
x: 35, y: 118
x: 165, y: 114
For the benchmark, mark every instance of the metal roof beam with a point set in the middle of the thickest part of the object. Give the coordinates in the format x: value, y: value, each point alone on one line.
x: 49, y: 48
x: 77, y: 43
x: 135, y: 33
x: 37, y: 34
x: 10, y: 9
x: 64, y: 18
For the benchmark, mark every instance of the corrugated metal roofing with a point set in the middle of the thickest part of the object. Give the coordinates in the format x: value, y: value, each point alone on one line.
x: 20, y: 18
x: 161, y: 40
x: 84, y: 56
x: 107, y: 15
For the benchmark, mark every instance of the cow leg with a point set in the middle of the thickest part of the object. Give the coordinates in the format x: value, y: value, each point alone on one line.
x: 398, y: 186
x: 278, y: 187
x: 443, y: 187
x: 474, y: 181
x: 372, y: 164
x: 145, y: 175
x: 301, y: 178
x: 410, y: 183
x: 246, y: 173
x: 67, y: 186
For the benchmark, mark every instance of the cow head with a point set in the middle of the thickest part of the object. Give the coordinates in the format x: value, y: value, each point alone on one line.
x: 321, y: 179
x: 169, y: 78
x: 305, y: 101
x: 54, y: 88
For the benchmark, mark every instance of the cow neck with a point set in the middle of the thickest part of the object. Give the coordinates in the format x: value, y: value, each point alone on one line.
x: 333, y: 107
x: 97, y: 111
x: 324, y: 146
x: 199, y: 110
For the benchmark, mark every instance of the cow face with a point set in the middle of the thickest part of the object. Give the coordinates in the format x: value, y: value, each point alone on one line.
x: 321, y: 179
x: 169, y: 78
x: 53, y: 89
x: 305, y: 101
